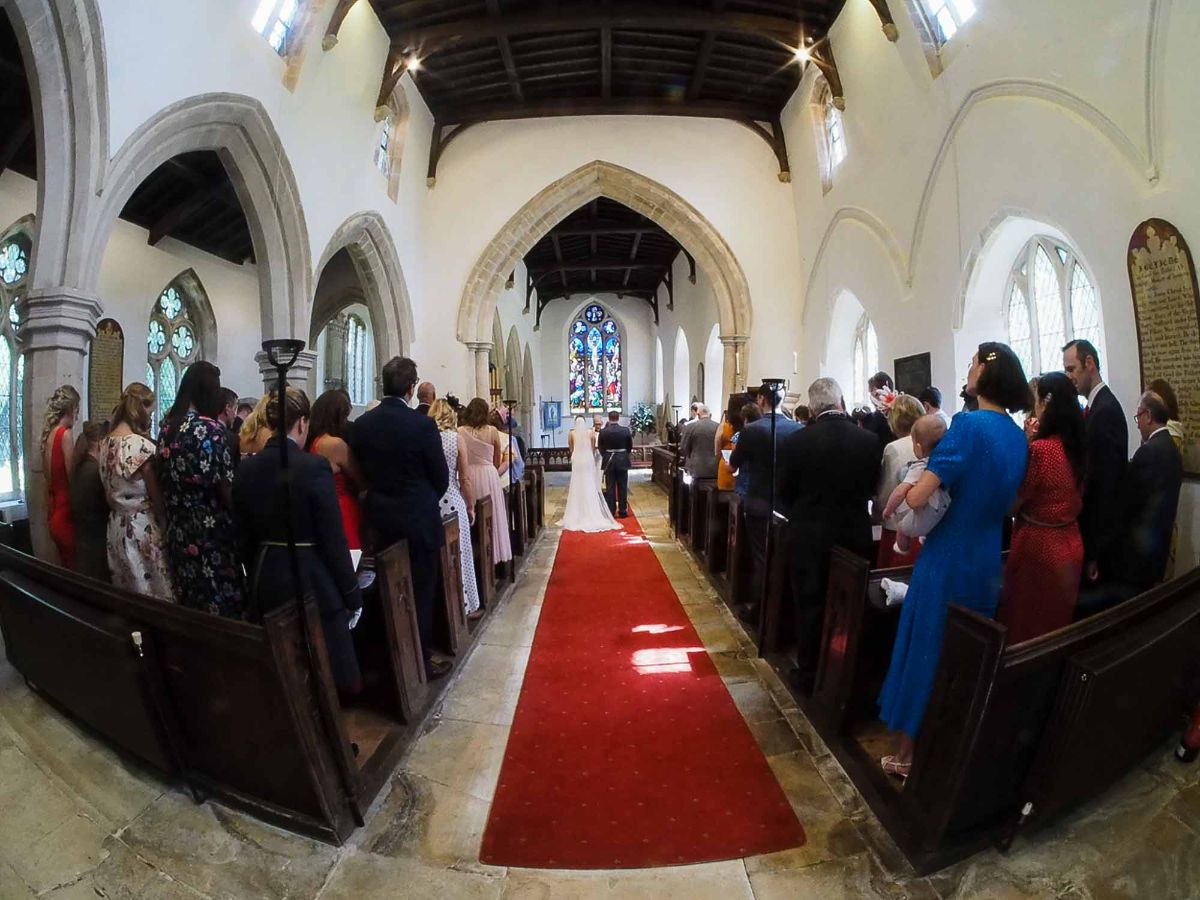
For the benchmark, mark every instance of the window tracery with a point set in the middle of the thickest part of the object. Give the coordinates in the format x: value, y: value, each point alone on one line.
x: 594, y: 364
x: 172, y: 345
x: 866, y: 359
x: 16, y: 250
x: 276, y: 20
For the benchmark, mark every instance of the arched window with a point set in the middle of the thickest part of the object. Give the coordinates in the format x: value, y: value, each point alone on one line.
x: 660, y: 381
x: 276, y: 20
x: 16, y: 249
x: 866, y: 359
x: 389, y: 146
x: 348, y: 353
x: 172, y: 344
x: 835, y: 134
x: 1051, y: 300
x: 943, y: 18
x: 594, y: 372
x: 828, y: 130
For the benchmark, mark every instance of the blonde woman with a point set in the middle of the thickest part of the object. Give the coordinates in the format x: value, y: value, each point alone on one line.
x: 458, y: 499
x: 136, y: 555
x: 254, y: 433
x: 898, y: 455
x: 57, y: 449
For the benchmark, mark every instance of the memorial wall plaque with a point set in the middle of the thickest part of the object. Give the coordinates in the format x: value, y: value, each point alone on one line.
x: 913, y: 373
x: 106, y: 365
x: 1162, y: 278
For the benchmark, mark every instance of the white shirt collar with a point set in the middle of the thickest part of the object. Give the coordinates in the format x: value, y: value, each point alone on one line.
x: 830, y: 412
x: 1156, y: 431
x: 1091, y: 397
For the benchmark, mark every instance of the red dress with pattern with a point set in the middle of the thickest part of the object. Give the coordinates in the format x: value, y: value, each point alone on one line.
x: 1041, y: 578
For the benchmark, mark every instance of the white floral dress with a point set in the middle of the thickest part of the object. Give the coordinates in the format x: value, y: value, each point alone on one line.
x: 135, y: 542
x: 453, y: 503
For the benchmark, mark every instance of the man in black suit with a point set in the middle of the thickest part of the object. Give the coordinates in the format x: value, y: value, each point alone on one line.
x: 827, y: 473
x: 400, y: 454
x: 426, y: 394
x: 876, y: 421
x: 616, y: 444
x: 1148, y: 502
x: 1106, y: 438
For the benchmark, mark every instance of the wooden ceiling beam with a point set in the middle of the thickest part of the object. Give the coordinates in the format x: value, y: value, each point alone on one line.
x: 649, y: 16
x: 606, y: 63
x: 186, y: 209
x: 598, y: 107
x: 510, y: 66
x: 558, y: 255
x: 637, y: 242
x: 696, y: 82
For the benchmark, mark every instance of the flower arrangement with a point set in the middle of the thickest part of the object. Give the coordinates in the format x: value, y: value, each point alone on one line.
x: 642, y: 419
x: 883, y: 399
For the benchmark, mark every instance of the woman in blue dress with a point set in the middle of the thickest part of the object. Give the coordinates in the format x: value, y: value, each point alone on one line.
x: 981, y: 462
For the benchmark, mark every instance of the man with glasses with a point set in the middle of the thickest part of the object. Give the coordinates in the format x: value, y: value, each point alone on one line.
x: 1106, y: 438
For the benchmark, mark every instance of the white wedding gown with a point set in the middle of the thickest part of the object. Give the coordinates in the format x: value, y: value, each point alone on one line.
x: 586, y: 509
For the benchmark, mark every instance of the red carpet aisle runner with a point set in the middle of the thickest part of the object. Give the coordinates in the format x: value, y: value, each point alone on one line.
x: 626, y: 750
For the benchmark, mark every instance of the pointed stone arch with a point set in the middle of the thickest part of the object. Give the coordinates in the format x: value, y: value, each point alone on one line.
x: 368, y: 242
x: 512, y: 365
x: 653, y: 200
x: 526, y: 395
x: 239, y: 130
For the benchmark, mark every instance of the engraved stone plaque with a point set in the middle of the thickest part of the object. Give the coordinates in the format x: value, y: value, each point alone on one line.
x: 105, y: 370
x: 1162, y: 278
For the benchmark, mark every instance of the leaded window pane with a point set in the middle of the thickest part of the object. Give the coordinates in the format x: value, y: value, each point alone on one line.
x: 14, y: 313
x: 183, y: 342
x: 1048, y: 301
x: 835, y: 136
x: 1085, y: 309
x: 14, y: 262
x: 156, y: 337
x: 167, y: 387
x: 18, y: 401
x: 1020, y: 329
x: 8, y: 475
x: 595, y: 378
x: 171, y: 303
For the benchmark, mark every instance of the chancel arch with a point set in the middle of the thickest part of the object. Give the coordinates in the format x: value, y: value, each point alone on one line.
x: 637, y: 192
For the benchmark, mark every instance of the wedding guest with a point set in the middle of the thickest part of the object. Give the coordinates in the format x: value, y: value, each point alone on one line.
x: 750, y: 412
x: 57, y: 451
x: 323, y: 558
x: 485, y: 456
x: 458, y: 499
x: 228, y: 418
x: 696, y: 446
x: 195, y: 469
x: 803, y: 415
x: 981, y: 462
x: 755, y: 452
x: 89, y: 508
x: 931, y: 399
x: 911, y: 523
x: 137, y: 557
x: 507, y: 420
x: 1041, y: 577
x: 1107, y: 441
x: 254, y: 433
x: 426, y: 394
x: 897, y: 456
x: 1164, y: 390
x: 511, y: 457
x: 327, y: 437
x: 731, y: 424
x: 405, y: 471
x: 881, y: 391
x: 827, y: 475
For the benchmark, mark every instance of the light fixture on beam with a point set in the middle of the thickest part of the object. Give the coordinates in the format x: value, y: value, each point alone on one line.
x: 413, y: 63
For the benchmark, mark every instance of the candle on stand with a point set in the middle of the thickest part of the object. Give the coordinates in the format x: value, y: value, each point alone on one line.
x: 795, y: 363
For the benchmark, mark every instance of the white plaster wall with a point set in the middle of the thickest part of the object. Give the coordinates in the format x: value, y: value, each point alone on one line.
x: 695, y: 313
x: 1093, y: 105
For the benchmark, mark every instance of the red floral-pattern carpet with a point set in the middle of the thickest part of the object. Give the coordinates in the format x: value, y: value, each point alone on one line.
x: 626, y: 750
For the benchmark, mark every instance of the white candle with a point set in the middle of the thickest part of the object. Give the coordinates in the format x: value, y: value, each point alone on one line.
x: 795, y: 362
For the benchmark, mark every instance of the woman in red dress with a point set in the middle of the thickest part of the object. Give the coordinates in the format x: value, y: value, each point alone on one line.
x: 327, y: 433
x: 1041, y: 579
x: 57, y: 450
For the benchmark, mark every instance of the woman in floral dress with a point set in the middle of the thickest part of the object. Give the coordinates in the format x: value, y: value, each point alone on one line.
x: 458, y: 500
x: 136, y: 555
x: 195, y: 467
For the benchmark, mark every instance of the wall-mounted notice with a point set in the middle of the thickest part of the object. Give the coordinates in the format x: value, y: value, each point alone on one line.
x: 1162, y: 278
x: 106, y: 365
x: 913, y: 373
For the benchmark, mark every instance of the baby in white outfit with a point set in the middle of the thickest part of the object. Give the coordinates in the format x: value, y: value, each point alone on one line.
x: 916, y: 523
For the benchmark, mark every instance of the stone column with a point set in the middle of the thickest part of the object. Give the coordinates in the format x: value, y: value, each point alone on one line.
x: 734, y: 365
x: 298, y: 375
x: 483, y: 380
x: 56, y: 333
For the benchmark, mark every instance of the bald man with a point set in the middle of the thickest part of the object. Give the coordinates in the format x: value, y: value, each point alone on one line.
x: 426, y: 394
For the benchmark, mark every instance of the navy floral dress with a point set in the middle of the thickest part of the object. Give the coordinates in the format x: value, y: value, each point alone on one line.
x: 201, y: 538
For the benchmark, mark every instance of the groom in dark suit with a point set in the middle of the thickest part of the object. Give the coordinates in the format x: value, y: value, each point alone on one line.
x: 616, y: 444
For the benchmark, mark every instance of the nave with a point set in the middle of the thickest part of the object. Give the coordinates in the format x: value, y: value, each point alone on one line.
x: 80, y: 821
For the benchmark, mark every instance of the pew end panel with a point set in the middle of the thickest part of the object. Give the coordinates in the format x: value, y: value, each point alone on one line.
x: 737, y: 554
x: 399, y: 614
x: 702, y: 490
x: 484, y: 552
x: 716, y: 537
x: 451, y: 612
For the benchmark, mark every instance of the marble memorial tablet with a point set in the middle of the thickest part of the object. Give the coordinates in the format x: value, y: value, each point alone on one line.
x: 1162, y: 278
x: 105, y: 370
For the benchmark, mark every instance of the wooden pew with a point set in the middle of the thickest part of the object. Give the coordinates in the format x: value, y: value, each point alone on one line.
x: 737, y: 555
x: 484, y: 552
x: 532, y: 525
x: 662, y: 466
x: 701, y: 491
x: 681, y: 512
x: 716, y: 533
x: 517, y: 523
x: 540, y: 502
x: 454, y: 613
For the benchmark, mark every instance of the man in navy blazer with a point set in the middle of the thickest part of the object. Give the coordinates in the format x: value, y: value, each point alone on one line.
x: 400, y: 454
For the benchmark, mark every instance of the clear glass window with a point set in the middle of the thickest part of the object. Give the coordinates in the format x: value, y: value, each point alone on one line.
x: 946, y: 17
x: 866, y: 359
x: 275, y: 20
x: 15, y: 252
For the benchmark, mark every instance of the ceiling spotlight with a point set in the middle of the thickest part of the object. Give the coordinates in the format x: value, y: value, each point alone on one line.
x: 802, y: 55
x: 413, y: 63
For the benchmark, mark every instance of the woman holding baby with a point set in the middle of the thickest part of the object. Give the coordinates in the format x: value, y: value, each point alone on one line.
x: 980, y: 464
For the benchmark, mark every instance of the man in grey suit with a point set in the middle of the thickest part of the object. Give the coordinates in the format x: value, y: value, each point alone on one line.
x: 698, y: 446
x: 615, y: 444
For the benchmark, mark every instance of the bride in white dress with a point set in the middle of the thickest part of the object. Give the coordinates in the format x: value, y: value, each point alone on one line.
x: 586, y: 509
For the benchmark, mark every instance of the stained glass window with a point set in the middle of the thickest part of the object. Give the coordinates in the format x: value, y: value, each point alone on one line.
x: 15, y: 251
x: 595, y: 379
x: 1057, y: 304
x: 945, y: 17
x: 866, y: 359
x: 276, y: 20
x: 171, y: 346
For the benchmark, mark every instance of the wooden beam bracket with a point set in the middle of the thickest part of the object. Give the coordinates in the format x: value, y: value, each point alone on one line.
x: 439, y: 140
x: 821, y: 54
x: 335, y: 24
x: 885, y: 16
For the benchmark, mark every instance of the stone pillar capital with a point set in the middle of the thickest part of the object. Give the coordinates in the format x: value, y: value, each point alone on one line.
x: 306, y: 361
x: 733, y: 340
x: 59, y: 319
x: 479, y: 346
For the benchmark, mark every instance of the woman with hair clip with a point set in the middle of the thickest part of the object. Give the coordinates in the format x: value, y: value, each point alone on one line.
x: 137, y: 557
x: 327, y: 434
x: 89, y: 507
x: 485, y: 456
x: 980, y: 462
x: 195, y: 467
x: 1041, y: 578
x: 56, y: 449
x: 254, y: 433
x: 326, y: 571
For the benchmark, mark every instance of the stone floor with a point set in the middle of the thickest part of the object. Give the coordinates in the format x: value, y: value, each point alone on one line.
x: 78, y: 822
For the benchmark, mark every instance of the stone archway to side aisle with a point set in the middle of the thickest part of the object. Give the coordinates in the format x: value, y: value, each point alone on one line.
x: 653, y: 200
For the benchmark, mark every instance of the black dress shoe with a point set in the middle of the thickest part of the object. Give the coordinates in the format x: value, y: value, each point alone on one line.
x: 437, y: 668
